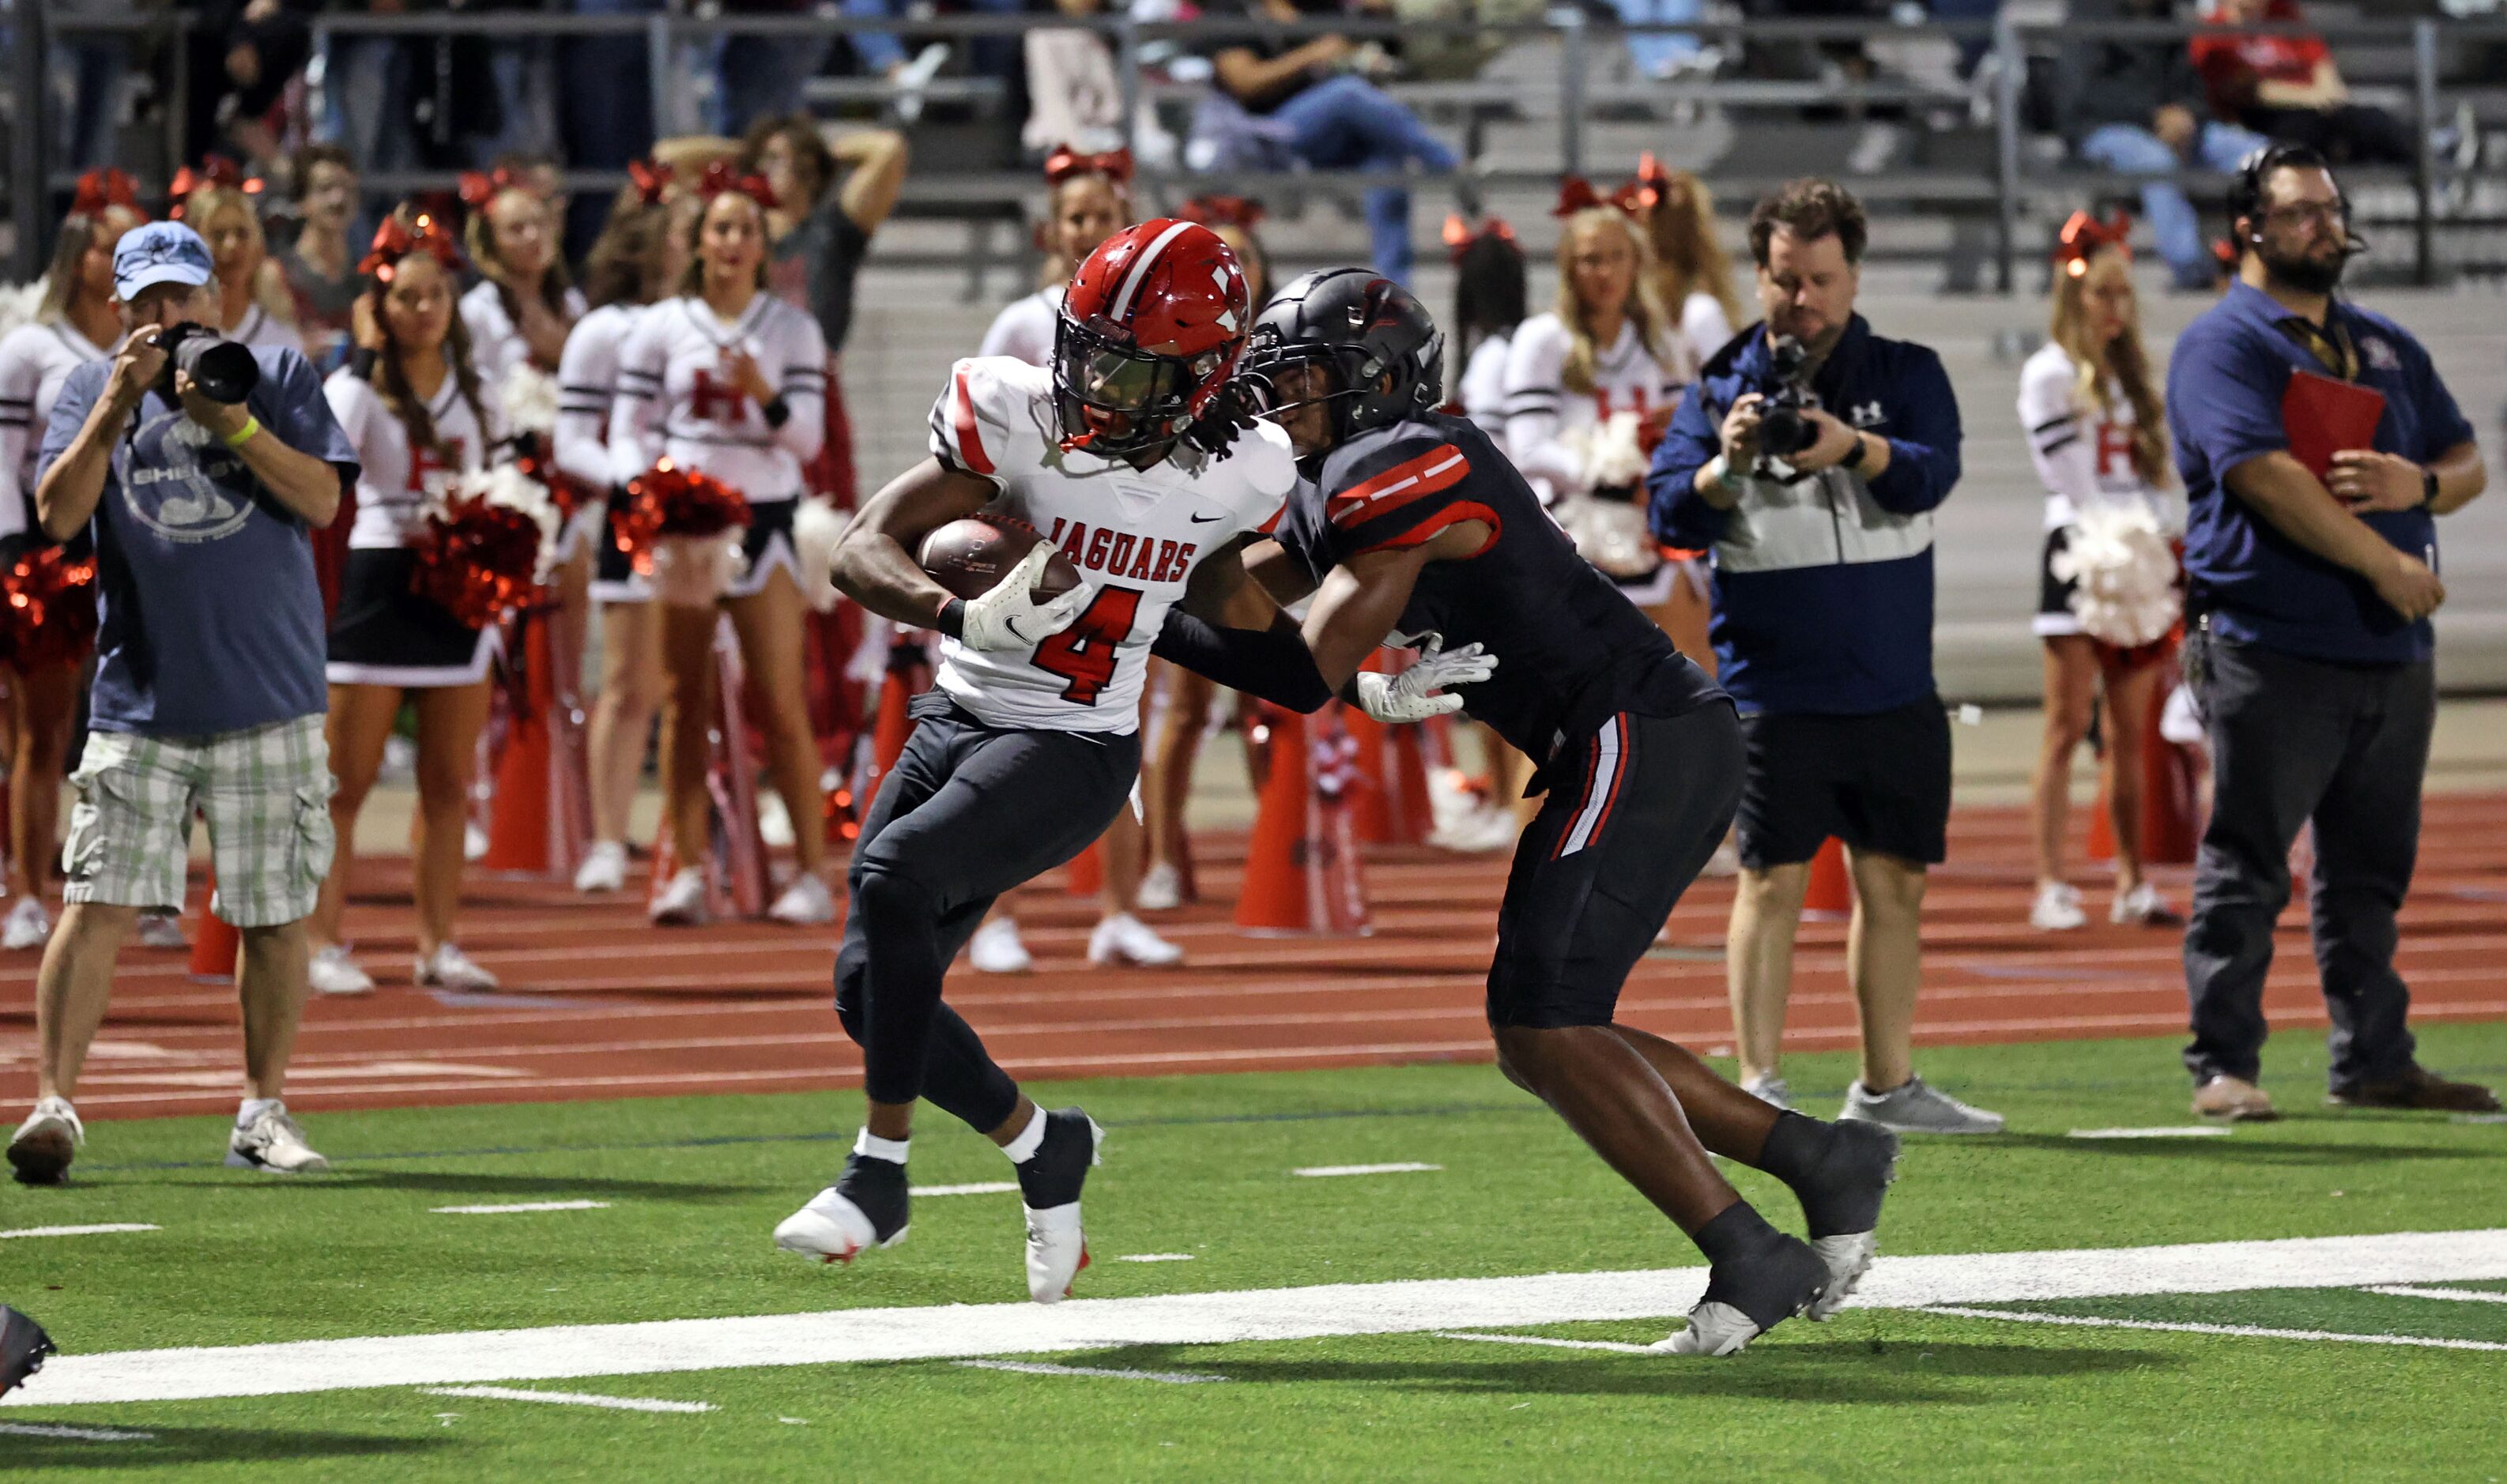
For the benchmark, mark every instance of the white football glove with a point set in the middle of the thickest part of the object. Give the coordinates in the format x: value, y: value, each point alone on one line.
x: 1406, y: 697
x: 1009, y: 618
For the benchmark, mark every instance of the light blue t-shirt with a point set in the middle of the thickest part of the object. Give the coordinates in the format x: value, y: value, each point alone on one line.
x: 211, y: 618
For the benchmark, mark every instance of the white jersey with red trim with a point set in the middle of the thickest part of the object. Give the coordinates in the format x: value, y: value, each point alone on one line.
x: 2083, y: 453
x: 1541, y: 412
x: 35, y: 359
x: 1135, y: 534
x: 587, y: 380
x: 675, y: 395
x: 396, y: 480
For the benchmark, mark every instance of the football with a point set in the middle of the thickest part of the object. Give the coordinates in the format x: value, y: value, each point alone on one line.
x: 970, y: 557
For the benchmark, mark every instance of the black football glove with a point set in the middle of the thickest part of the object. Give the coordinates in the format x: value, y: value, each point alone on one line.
x: 1237, y: 406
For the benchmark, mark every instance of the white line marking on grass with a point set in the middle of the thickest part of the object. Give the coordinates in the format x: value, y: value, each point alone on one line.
x: 2244, y: 1331
x: 1155, y: 1258
x: 83, y: 1434
x: 502, y: 1211
x: 2481, y: 1119
x: 2464, y: 1295
x: 572, y: 1399
x: 1551, y: 1341
x: 927, y: 1333
x: 81, y: 1231
x: 1038, y: 1369
x: 980, y: 1188
x: 2181, y: 1131
x: 1326, y: 1172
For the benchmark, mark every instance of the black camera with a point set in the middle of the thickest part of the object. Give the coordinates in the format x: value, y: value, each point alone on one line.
x: 1783, y: 430
x: 221, y: 370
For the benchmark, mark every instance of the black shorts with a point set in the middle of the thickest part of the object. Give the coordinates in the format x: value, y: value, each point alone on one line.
x: 385, y: 635
x: 1878, y: 783
x: 613, y: 575
x: 767, y: 544
x: 2054, y: 616
x: 1605, y: 859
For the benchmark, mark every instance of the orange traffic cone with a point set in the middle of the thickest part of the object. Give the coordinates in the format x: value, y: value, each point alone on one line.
x: 1087, y: 875
x: 541, y: 818
x: 1301, y: 869
x: 216, y: 943
x: 1832, y: 891
x: 1391, y: 803
x: 2170, y: 800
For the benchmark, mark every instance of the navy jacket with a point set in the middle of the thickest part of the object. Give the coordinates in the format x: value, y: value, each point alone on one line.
x: 1822, y: 586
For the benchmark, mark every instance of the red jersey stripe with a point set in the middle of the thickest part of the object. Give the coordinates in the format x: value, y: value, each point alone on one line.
x: 970, y: 437
x: 1439, y: 468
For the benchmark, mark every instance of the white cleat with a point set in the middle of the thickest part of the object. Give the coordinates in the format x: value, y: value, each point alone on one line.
x: 334, y: 972
x: 449, y: 968
x: 1161, y: 887
x: 682, y: 903
x: 805, y: 903
x: 1713, y: 1329
x: 2057, y: 908
x: 41, y: 1150
x: 996, y: 949
x: 603, y: 868
x: 1125, y: 939
x: 2142, y: 907
x: 831, y: 1229
x: 1057, y: 1249
x: 1848, y: 1258
x: 272, y: 1142
x: 162, y: 929
x: 26, y: 927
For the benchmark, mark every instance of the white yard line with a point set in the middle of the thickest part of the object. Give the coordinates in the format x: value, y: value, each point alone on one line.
x: 83, y: 1434
x: 2460, y: 1295
x: 2181, y: 1131
x: 571, y: 1398
x: 502, y: 1211
x: 926, y: 1332
x: 1038, y: 1369
x: 98, y: 1230
x: 1155, y: 1258
x: 1549, y: 1341
x: 979, y: 1187
x: 2245, y: 1331
x: 1326, y: 1171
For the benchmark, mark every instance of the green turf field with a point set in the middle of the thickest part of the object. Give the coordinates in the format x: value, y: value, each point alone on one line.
x: 1202, y: 1167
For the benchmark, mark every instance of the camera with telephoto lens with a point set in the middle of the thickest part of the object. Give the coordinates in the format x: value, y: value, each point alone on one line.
x: 221, y: 370
x: 1783, y: 430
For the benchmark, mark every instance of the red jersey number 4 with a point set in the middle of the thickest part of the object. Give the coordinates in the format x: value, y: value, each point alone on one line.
x: 1083, y: 654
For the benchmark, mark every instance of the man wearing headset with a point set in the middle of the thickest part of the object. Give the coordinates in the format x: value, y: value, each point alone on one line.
x: 2313, y: 573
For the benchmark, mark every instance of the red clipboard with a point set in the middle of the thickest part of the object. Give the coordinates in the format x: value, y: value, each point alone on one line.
x: 2323, y: 417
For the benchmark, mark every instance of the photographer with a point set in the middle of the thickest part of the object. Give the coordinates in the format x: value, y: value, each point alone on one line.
x: 1821, y: 527
x: 2313, y: 565
x: 199, y: 465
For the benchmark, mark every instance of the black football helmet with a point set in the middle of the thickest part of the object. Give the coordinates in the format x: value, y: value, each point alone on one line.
x: 1386, y: 356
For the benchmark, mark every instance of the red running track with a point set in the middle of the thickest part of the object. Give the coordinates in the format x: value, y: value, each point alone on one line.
x: 597, y: 1004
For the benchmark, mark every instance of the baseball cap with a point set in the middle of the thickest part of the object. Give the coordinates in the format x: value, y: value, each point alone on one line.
x: 159, y: 252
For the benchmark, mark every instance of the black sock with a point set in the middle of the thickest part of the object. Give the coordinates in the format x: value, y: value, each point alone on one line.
x: 1737, y: 1233
x: 1794, y: 1147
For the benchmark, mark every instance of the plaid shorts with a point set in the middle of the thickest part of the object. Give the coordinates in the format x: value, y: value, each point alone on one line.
x: 266, y: 793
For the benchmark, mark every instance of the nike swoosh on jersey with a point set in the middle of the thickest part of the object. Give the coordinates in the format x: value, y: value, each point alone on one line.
x: 1206, y: 520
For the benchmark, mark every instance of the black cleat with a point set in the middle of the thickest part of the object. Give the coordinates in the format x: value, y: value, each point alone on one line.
x: 22, y: 1348
x: 865, y: 1207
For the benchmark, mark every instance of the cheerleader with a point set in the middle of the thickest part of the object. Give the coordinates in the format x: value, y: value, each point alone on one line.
x: 1088, y: 198
x: 641, y: 257
x: 1693, y: 275
x: 418, y: 417
x: 522, y: 305
x: 2091, y: 413
x: 252, y: 294
x: 1488, y: 307
x: 730, y: 381
x: 74, y: 323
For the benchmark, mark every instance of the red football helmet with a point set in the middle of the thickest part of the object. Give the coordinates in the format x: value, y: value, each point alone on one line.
x: 1151, y: 327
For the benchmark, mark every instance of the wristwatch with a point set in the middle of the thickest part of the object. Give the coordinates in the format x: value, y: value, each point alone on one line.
x: 2428, y: 487
x: 1854, y: 457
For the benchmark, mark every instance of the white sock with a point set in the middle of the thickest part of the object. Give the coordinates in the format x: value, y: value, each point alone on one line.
x: 871, y: 1146
x: 254, y: 1108
x: 1030, y: 1139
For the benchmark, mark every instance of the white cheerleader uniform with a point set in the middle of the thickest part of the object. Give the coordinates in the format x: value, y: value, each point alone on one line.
x: 586, y: 382
x: 675, y: 400
x: 385, y: 633
x: 2083, y: 456
x: 1483, y: 387
x: 34, y: 361
x: 262, y: 330
x: 1540, y: 412
x: 496, y: 347
x: 1024, y: 331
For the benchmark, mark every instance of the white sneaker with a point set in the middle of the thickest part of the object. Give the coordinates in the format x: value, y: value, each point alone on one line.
x: 474, y: 842
x: 1916, y: 1108
x: 28, y: 925
x: 912, y: 77
x: 603, y: 868
x: 47, y: 1141
x: 449, y: 968
x: 1713, y: 1329
x: 1770, y: 1089
x: 805, y: 903
x: 682, y: 903
x: 1161, y: 887
x: 773, y: 822
x: 274, y: 1142
x: 334, y: 972
x: 2057, y: 908
x: 162, y: 929
x: 1125, y: 939
x: 996, y: 949
x: 2143, y: 907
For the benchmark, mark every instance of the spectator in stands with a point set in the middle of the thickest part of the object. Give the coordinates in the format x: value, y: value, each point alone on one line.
x: 757, y: 75
x: 1666, y: 54
x: 1824, y: 631
x: 1282, y: 99
x: 320, y: 267
x: 1074, y: 96
x: 879, y: 51
x: 2286, y: 88
x: 244, y: 56
x: 2137, y: 107
x: 2313, y: 575
x: 89, y: 67
x: 604, y: 101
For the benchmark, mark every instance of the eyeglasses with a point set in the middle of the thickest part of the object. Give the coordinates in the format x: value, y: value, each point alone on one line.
x: 2299, y: 213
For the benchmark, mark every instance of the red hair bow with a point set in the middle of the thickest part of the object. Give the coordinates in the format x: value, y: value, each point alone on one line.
x: 214, y: 170
x: 1651, y: 188
x: 480, y: 186
x: 1238, y: 211
x: 98, y: 189
x: 1064, y: 163
x: 1575, y: 194
x: 2084, y: 235
x: 396, y: 239
x: 649, y: 178
x: 723, y: 176
x: 1459, y: 235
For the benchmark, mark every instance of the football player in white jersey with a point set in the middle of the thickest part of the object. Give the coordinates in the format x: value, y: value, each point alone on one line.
x: 1130, y: 456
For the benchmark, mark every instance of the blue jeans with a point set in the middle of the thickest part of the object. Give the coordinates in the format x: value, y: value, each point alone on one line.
x: 1348, y: 123
x: 879, y: 51
x: 757, y: 77
x: 604, y: 97
x: 2135, y: 151
x: 1660, y: 53
x: 95, y: 70
x: 365, y: 101
x: 1972, y: 50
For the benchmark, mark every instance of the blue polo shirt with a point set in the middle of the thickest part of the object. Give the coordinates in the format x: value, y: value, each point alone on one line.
x: 2225, y: 384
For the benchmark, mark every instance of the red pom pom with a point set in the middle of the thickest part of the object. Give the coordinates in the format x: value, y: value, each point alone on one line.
x: 49, y: 615
x: 569, y: 493
x: 476, y: 559
x: 669, y: 501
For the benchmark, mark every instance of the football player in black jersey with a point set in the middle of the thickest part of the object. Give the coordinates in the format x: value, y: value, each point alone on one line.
x: 1408, y: 521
